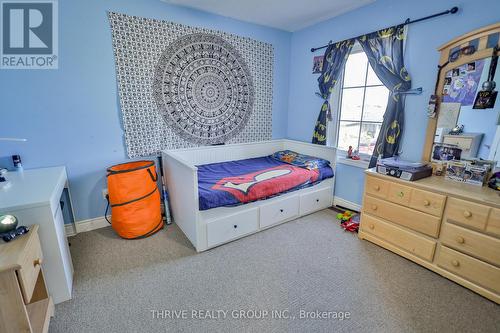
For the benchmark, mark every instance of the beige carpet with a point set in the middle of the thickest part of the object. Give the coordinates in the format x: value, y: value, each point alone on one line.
x: 309, y: 264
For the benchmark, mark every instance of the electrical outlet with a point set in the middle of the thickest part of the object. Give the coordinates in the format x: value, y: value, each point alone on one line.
x: 104, y: 193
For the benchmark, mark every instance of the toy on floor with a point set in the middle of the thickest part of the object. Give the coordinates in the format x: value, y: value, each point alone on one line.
x: 347, y: 222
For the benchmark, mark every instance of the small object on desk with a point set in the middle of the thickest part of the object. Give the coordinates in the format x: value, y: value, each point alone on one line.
x: 7, y: 223
x: 355, y: 155
x: 494, y: 181
x: 406, y: 170
x: 16, y: 160
x: 457, y: 130
x: 8, y: 236
x: 349, y: 152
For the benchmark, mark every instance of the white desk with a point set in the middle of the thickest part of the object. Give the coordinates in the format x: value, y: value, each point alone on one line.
x: 34, y: 198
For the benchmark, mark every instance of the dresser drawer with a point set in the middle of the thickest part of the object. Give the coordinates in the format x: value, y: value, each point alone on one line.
x: 399, y: 194
x: 30, y: 267
x: 406, y: 240
x: 424, y: 223
x: 314, y: 201
x: 477, y: 271
x: 427, y: 202
x: 232, y: 227
x: 278, y: 211
x: 377, y: 187
x: 478, y: 245
x: 466, y: 213
x: 493, y: 226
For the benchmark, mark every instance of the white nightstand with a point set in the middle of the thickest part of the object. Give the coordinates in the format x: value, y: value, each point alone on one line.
x: 34, y: 198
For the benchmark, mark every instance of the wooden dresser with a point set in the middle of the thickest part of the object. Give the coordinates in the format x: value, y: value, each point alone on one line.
x: 25, y: 305
x: 445, y: 226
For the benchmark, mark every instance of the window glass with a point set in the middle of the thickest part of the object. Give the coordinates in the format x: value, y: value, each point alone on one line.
x: 348, y: 135
x: 352, y: 104
x: 355, y: 70
x: 362, y: 107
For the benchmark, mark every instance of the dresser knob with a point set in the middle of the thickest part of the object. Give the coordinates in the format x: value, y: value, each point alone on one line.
x: 374, y: 207
x: 371, y: 226
x: 235, y: 226
x: 455, y: 263
x: 317, y: 200
x: 281, y: 210
x: 426, y: 203
x: 37, y: 262
x: 376, y: 188
x: 467, y: 213
x: 460, y: 240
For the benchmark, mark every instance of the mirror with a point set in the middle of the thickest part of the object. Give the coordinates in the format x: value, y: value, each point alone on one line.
x: 458, y: 131
x: 478, y: 136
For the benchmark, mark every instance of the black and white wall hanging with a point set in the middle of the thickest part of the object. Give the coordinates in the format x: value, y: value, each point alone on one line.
x: 183, y: 86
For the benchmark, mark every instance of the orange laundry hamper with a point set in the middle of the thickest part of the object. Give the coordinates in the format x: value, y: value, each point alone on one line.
x: 134, y: 199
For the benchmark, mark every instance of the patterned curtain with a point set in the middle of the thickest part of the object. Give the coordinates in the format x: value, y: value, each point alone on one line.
x: 333, y: 63
x: 385, y: 54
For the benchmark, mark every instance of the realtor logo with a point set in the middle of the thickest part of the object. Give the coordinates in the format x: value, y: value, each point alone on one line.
x: 29, y: 34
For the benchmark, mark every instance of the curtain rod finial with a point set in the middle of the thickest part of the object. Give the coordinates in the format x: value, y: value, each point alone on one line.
x: 454, y: 10
x: 313, y: 49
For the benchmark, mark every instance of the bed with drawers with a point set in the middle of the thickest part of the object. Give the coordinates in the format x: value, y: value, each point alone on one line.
x: 210, y: 215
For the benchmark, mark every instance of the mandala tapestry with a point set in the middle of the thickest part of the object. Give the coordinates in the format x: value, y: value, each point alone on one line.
x: 182, y: 86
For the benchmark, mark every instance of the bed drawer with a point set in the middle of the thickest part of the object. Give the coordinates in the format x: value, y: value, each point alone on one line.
x: 418, y: 221
x: 467, y: 241
x: 466, y: 213
x: 228, y: 228
x: 316, y: 200
x: 278, y: 211
x: 406, y: 240
x: 472, y: 269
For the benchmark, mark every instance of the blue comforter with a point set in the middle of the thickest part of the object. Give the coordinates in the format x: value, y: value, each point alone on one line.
x: 239, y: 182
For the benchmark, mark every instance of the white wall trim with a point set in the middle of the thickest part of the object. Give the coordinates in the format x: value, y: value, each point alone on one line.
x: 86, y: 225
x: 337, y: 201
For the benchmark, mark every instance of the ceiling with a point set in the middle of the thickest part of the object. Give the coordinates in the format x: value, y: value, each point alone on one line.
x: 289, y: 15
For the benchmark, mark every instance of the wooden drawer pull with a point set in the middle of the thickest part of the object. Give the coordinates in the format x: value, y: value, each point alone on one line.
x: 460, y: 240
x: 374, y: 207
x: 467, y: 213
x: 427, y: 203
x: 455, y: 263
x: 37, y: 262
x: 371, y: 226
x: 376, y: 188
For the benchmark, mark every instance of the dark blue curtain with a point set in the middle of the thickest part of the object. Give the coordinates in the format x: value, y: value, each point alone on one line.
x: 385, y: 53
x: 333, y: 64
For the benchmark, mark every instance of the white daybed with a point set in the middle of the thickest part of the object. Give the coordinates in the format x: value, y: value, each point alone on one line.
x: 209, y: 228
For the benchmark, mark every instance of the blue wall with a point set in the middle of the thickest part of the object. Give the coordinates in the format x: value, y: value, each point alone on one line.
x: 71, y: 115
x: 421, y: 59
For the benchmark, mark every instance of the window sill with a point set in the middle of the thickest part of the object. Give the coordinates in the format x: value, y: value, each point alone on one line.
x: 363, y: 164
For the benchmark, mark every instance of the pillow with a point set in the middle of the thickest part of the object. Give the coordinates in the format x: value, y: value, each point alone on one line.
x: 300, y: 160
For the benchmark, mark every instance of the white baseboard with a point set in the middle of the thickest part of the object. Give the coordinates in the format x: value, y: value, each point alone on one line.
x: 86, y: 225
x: 337, y: 201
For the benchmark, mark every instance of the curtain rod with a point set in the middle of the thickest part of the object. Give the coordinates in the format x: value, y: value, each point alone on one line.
x: 408, y: 21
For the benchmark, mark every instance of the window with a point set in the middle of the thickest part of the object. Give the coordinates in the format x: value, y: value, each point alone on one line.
x: 361, y: 100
